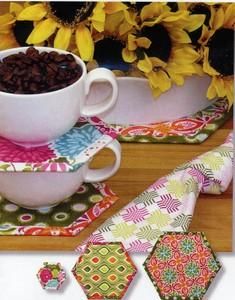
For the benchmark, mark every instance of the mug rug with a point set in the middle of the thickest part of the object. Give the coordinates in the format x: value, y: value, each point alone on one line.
x: 104, y: 271
x: 182, y: 266
x: 66, y: 219
x: 193, y: 129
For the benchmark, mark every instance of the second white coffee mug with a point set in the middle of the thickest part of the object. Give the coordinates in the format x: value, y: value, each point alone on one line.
x: 35, y: 190
x: 35, y: 119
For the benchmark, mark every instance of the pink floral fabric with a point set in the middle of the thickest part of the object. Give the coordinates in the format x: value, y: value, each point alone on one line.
x: 182, y: 265
x: 11, y: 152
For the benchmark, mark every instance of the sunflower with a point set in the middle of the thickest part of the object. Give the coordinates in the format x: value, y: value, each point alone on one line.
x: 116, y: 27
x: 64, y: 20
x: 13, y: 33
x: 217, y: 42
x: 207, y: 9
x: 161, y: 47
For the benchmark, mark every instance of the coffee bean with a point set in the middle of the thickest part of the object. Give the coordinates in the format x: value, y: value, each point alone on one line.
x: 33, y: 72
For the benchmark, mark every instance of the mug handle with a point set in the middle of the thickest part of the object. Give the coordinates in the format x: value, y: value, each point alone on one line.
x: 100, y: 75
x: 95, y: 175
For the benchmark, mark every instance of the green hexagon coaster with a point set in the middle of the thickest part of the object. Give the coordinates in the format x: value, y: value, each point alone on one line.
x: 104, y: 271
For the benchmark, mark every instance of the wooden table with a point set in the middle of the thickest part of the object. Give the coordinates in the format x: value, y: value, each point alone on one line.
x: 141, y: 165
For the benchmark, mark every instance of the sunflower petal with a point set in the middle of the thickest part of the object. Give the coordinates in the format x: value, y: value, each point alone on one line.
x: 156, y: 92
x: 128, y: 56
x: 124, y: 28
x: 98, y: 17
x: 176, y: 78
x: 229, y: 18
x: 151, y: 10
x: 211, y: 92
x: 180, y: 36
x: 131, y: 42
x: 130, y: 17
x: 42, y: 31
x: 143, y: 42
x: 206, y: 65
x: 185, y: 55
x: 219, y: 86
x: 173, y: 17
x: 195, y: 22
x: 15, y: 8
x: 62, y: 38
x: 164, y: 82
x: 34, y: 12
x: 218, y: 19
x: 229, y: 90
x: 7, y: 41
x: 113, y: 22
x: 157, y: 62
x: 145, y: 65
x: 6, y: 19
x: 113, y: 7
x: 153, y: 80
x: 84, y: 42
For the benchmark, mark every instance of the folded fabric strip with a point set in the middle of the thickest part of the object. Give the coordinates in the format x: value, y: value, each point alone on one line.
x: 168, y: 204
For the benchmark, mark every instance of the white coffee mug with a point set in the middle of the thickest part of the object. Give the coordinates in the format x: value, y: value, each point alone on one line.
x: 36, y: 119
x: 37, y: 190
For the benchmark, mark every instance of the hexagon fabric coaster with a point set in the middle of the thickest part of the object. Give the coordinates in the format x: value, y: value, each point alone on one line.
x: 104, y: 270
x: 182, y: 266
x: 51, y: 276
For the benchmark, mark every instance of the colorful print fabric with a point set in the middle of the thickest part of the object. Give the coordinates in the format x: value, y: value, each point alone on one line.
x: 104, y: 271
x: 182, y: 266
x: 168, y: 204
x: 65, y: 154
x: 51, y: 276
x: 66, y: 219
x: 193, y: 129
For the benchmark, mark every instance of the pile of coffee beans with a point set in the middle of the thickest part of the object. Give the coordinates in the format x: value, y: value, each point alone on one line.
x: 34, y: 73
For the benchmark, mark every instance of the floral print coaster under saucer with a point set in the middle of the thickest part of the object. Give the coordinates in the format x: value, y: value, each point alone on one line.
x: 193, y: 129
x: 66, y: 219
x: 182, y: 266
x: 105, y: 271
x: 65, y: 154
x: 51, y: 276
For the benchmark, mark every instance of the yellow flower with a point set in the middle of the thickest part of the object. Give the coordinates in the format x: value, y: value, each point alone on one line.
x: 161, y: 46
x: 12, y: 32
x: 217, y: 42
x: 119, y: 20
x: 61, y: 21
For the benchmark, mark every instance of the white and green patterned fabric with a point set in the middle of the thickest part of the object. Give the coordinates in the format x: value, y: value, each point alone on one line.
x: 168, y: 204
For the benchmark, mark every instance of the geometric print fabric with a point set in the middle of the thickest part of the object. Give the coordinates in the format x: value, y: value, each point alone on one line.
x: 104, y: 271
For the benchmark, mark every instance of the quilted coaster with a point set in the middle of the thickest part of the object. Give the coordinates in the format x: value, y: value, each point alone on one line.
x: 51, y: 276
x: 182, y: 266
x: 105, y: 271
x: 193, y: 129
x: 65, y: 219
x: 65, y: 154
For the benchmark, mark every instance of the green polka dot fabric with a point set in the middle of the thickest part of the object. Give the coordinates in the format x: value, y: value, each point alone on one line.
x: 67, y: 219
x: 182, y: 265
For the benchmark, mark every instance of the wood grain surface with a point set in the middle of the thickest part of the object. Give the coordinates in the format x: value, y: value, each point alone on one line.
x: 142, y: 164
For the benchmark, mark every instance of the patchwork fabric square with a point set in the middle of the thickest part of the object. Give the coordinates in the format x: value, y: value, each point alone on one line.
x: 182, y: 266
x: 105, y: 271
x: 51, y: 276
